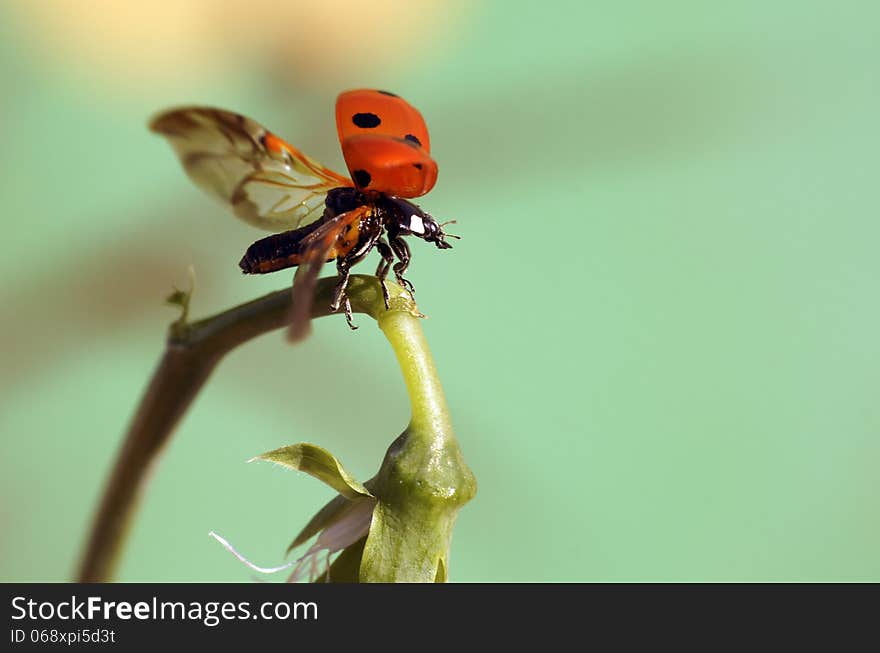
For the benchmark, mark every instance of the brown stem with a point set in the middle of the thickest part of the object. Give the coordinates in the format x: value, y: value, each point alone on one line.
x: 191, y: 354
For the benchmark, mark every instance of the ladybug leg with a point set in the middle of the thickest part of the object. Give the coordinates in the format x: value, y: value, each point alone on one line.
x: 401, y: 249
x: 382, y: 271
x: 370, y: 233
x: 339, y: 297
x: 347, y: 307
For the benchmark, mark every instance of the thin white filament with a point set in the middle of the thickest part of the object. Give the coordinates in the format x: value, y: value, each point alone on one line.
x: 262, y: 570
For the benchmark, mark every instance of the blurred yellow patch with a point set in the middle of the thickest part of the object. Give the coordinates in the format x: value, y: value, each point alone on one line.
x: 311, y: 41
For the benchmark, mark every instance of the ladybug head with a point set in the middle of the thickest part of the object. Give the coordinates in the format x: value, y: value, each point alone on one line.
x: 434, y: 232
x: 411, y: 220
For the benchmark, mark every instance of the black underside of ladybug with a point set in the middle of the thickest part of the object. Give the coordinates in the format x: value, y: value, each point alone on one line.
x: 387, y: 216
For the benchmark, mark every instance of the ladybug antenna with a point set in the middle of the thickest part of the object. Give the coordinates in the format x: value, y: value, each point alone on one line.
x: 443, y: 224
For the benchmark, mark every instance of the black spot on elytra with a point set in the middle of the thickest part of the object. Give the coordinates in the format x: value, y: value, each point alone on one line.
x: 362, y: 178
x: 366, y: 120
x: 413, y: 139
x: 418, y: 166
x: 388, y: 93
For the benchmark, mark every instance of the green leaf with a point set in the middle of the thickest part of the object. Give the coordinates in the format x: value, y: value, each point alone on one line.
x: 317, y: 462
x: 346, y: 567
x: 441, y: 572
x: 405, y: 544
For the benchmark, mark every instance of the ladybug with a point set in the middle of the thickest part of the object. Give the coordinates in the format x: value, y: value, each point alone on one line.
x: 326, y: 216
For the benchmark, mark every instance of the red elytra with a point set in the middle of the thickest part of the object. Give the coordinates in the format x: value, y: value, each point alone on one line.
x: 385, y: 143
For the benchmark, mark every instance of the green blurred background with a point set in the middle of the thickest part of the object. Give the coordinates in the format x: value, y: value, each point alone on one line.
x: 659, y: 336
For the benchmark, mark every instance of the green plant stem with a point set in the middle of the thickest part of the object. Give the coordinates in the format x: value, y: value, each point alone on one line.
x: 423, y: 480
x: 192, y: 352
x: 430, y: 414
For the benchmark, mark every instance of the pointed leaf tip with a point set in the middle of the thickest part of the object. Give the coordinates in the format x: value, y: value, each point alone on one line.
x: 321, y: 464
